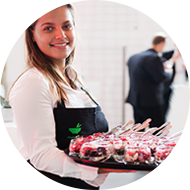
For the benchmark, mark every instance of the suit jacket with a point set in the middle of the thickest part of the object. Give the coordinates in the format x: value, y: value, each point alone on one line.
x: 167, y: 55
x: 147, y: 78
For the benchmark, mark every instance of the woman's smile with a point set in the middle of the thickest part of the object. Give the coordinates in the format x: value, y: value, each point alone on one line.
x: 60, y: 45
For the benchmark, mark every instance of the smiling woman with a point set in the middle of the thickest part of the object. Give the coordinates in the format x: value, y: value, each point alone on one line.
x: 45, y: 101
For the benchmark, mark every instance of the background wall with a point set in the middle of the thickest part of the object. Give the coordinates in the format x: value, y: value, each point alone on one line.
x: 109, y: 33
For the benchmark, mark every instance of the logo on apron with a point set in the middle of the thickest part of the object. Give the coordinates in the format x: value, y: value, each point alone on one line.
x: 75, y: 130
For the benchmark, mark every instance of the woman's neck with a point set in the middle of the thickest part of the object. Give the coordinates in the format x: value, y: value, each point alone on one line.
x: 60, y: 64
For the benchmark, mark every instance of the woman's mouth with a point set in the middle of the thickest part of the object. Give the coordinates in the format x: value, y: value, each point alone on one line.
x: 60, y: 45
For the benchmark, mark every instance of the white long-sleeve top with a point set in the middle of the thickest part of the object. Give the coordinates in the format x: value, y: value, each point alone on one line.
x: 32, y: 104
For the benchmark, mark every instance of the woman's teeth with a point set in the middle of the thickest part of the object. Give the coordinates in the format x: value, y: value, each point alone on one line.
x: 60, y: 45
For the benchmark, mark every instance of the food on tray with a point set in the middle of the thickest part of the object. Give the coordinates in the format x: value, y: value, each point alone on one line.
x: 118, y: 148
x: 95, y: 150
x: 75, y: 144
x: 163, y: 141
x: 126, y: 145
x: 137, y: 154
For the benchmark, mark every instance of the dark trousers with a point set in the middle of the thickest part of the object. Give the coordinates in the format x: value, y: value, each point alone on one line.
x: 157, y: 114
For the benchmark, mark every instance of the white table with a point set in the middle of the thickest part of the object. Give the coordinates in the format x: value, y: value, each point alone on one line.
x: 8, y: 146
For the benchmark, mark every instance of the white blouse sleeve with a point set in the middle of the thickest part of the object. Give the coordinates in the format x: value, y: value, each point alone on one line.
x: 32, y: 106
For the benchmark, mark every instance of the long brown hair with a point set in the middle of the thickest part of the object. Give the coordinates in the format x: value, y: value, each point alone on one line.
x: 36, y: 58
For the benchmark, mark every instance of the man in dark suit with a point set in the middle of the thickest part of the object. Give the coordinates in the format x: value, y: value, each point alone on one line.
x: 147, y: 83
x: 178, y: 61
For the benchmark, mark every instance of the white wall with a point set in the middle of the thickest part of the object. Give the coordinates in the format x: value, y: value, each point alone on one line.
x: 104, y: 28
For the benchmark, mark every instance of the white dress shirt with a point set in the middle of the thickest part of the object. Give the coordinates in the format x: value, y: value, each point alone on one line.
x: 32, y: 104
x: 180, y: 62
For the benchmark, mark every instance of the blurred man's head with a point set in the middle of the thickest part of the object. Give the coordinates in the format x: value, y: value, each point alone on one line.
x: 159, y: 42
x: 180, y: 45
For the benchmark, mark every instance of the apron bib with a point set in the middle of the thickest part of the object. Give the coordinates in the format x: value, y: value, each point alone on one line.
x: 71, y: 122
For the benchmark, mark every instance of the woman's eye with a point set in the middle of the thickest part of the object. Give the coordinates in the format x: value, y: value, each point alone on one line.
x: 49, y: 28
x: 67, y: 27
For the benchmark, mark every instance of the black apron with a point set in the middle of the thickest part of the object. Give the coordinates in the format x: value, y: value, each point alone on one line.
x: 70, y: 122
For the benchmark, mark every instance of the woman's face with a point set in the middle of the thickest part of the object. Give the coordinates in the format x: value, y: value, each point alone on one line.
x: 54, y: 34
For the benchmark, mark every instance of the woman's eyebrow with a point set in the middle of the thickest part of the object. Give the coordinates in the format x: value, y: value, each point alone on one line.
x: 51, y: 23
x: 47, y: 23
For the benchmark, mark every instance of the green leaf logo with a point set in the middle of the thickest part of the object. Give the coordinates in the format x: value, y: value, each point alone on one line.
x: 78, y: 125
x: 75, y: 130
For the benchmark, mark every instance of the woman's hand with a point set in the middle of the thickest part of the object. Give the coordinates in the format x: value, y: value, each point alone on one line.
x: 107, y: 170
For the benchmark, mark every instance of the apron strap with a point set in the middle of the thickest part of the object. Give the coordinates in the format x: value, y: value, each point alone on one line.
x: 89, y: 95
x: 16, y: 184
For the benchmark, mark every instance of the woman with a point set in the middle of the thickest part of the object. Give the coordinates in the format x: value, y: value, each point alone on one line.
x: 48, y: 99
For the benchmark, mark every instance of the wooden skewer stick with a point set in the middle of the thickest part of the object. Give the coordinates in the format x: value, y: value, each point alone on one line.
x: 167, y: 127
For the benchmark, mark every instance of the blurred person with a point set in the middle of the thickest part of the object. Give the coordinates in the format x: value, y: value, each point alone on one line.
x: 148, y: 76
x: 179, y: 73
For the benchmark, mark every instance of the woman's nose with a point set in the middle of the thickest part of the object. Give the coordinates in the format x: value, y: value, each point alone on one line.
x: 60, y: 34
